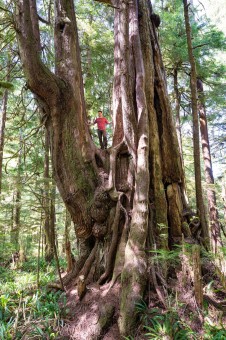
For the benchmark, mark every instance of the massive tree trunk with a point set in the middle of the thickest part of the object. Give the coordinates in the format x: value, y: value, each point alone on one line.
x: 129, y: 197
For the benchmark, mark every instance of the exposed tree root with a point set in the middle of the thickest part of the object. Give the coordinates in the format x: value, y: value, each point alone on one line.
x: 157, y: 288
x: 86, y: 268
x: 218, y: 305
x: 151, y: 244
x: 55, y: 285
x: 113, y: 246
x: 120, y: 256
x: 85, y: 252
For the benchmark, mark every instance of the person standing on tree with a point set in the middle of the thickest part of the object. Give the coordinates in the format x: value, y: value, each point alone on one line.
x: 101, y: 122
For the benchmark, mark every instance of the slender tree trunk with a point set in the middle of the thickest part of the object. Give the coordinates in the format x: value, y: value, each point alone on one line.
x: 224, y: 196
x: 196, y: 141
x: 68, y: 243
x: 39, y: 252
x: 215, y: 232
x: 3, y: 119
x: 47, y: 203
x: 2, y: 130
x: 53, y: 232
x: 17, y: 201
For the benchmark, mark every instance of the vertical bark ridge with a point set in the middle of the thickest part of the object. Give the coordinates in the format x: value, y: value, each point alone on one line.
x: 177, y: 107
x: 117, y: 103
x: 128, y: 110
x: 171, y: 163
x: 157, y: 192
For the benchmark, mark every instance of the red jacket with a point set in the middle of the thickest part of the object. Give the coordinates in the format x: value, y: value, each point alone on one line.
x: 101, y: 123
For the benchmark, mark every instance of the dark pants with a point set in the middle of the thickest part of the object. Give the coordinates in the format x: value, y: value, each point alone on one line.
x: 102, y: 138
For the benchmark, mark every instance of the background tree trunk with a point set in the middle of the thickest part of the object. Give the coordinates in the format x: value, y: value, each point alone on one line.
x: 3, y: 122
x: 67, y: 245
x: 2, y: 131
x: 215, y: 234
x: 196, y: 141
x: 47, y: 203
x: 15, y: 231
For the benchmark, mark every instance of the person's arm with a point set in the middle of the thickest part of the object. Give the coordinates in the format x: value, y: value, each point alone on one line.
x: 107, y: 122
x: 91, y: 123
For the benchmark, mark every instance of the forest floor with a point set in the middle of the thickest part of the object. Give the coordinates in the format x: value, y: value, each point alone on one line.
x: 28, y: 312
x: 95, y: 316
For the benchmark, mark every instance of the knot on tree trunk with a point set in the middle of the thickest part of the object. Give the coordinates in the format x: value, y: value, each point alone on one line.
x: 99, y: 230
x: 101, y: 206
x: 83, y: 231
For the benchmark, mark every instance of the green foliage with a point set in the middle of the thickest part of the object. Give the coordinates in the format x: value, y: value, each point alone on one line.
x: 214, y: 332
x: 95, y: 23
x: 158, y: 326
x: 172, y: 257
x: 6, y: 85
x: 20, y: 301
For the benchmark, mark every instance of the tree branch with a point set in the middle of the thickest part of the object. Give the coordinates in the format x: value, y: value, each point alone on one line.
x: 108, y: 2
x: 201, y: 45
x: 39, y: 79
x: 43, y: 20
